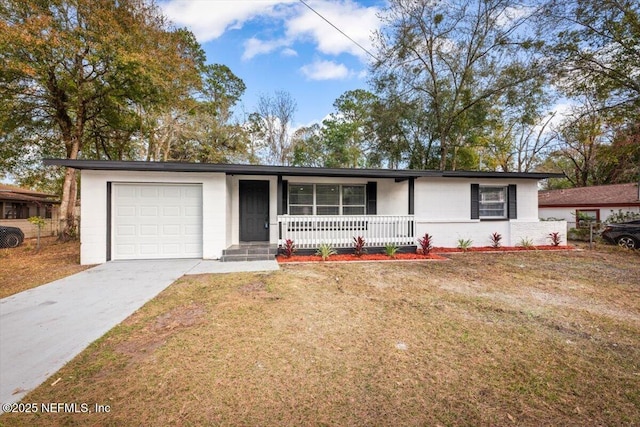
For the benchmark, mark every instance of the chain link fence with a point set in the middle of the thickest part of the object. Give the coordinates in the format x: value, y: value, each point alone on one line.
x: 10, y: 237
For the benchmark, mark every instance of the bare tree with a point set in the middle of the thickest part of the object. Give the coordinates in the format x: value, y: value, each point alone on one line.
x: 275, y: 114
x: 460, y: 58
x: 581, y: 136
x: 519, y: 146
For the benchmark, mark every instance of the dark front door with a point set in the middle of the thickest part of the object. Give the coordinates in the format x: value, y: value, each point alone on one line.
x: 254, y: 211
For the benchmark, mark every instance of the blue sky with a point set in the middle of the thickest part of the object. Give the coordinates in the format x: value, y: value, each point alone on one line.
x: 283, y: 45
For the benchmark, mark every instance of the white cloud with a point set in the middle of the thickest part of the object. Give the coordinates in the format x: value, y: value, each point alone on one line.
x: 254, y: 46
x: 512, y: 14
x: 355, y: 20
x: 325, y: 70
x: 288, y: 52
x: 208, y: 20
x: 562, y: 110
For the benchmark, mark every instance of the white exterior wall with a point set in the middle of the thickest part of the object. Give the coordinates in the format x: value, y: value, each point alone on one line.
x: 443, y: 209
x: 558, y: 213
x: 93, y: 232
x: 537, y: 232
x: 229, y: 208
x: 393, y: 197
x: 569, y: 213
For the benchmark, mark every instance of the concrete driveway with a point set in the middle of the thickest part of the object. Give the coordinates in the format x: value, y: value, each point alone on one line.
x: 45, y: 327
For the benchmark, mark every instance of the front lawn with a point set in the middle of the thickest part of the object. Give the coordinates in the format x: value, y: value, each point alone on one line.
x: 485, y: 339
x: 26, y: 267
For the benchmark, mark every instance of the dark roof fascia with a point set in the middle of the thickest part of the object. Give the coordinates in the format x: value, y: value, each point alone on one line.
x: 229, y: 169
x: 517, y: 175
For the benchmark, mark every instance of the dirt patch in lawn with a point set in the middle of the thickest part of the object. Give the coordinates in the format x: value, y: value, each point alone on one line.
x: 527, y: 338
x: 26, y: 267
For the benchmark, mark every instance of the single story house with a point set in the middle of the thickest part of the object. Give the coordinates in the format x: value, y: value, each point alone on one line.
x: 141, y: 210
x: 596, y: 203
x: 18, y: 204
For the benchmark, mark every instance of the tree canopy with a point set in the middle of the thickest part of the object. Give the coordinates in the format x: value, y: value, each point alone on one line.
x: 455, y: 61
x: 107, y: 79
x: 462, y: 84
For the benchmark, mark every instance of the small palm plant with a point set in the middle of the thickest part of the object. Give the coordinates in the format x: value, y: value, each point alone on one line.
x: 325, y: 250
x: 391, y: 250
x: 464, y: 244
x: 526, y: 242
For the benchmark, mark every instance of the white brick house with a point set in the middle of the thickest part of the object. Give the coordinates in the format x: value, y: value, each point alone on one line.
x: 140, y: 210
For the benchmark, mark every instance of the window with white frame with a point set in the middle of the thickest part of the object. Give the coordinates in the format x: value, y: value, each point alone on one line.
x: 493, y: 202
x: 301, y: 198
x: 326, y: 199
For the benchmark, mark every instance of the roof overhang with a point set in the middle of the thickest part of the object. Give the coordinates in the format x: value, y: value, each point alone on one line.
x: 589, y: 205
x: 239, y: 169
x: 18, y: 197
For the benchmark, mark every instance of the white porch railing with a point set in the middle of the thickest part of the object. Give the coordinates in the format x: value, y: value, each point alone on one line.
x: 338, y: 231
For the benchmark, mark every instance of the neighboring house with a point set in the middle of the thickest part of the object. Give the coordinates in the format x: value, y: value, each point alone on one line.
x: 18, y: 204
x: 138, y: 210
x: 596, y: 203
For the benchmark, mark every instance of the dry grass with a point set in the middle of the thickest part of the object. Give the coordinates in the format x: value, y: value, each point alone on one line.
x: 25, y: 267
x: 537, y: 338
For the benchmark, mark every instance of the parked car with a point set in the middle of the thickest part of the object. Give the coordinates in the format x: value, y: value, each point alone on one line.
x: 625, y: 234
x: 10, y: 237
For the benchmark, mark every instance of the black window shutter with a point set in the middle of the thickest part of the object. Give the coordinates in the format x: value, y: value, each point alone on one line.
x: 412, y: 190
x: 512, y: 200
x: 284, y: 197
x: 372, y: 198
x: 475, y: 201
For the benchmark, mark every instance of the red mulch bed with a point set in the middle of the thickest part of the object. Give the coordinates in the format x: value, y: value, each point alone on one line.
x: 416, y: 256
x: 365, y: 257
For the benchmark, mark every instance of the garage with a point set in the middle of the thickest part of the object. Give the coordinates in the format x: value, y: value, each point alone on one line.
x: 154, y: 221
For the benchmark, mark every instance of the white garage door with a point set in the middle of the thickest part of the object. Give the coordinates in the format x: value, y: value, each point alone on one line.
x: 156, y: 221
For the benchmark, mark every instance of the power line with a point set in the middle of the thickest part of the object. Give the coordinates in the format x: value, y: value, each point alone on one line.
x: 339, y: 30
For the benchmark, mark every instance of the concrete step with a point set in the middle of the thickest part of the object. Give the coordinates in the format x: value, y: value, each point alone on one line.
x: 245, y: 257
x: 249, y: 253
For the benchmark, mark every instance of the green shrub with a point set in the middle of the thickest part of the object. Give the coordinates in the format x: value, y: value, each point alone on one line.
x: 620, y: 216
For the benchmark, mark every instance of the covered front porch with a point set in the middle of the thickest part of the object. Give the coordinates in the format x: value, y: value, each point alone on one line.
x: 311, y: 231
